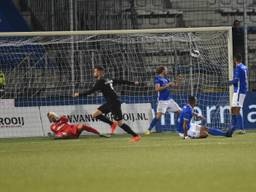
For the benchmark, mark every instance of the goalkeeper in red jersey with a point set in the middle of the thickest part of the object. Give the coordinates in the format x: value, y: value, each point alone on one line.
x: 62, y: 129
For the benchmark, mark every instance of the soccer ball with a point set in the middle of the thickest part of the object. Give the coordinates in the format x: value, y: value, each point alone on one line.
x: 195, y: 53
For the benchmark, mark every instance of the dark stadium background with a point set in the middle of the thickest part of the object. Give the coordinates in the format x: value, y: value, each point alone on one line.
x: 58, y: 15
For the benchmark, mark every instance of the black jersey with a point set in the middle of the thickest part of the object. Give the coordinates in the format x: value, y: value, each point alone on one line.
x: 106, y: 87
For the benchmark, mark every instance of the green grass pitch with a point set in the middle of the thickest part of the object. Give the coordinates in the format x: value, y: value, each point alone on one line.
x: 160, y: 162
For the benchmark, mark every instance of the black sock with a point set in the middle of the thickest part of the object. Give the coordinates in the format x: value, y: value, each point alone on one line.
x: 104, y: 119
x: 128, y: 130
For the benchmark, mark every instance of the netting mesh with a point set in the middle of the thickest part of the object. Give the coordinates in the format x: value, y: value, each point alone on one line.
x: 47, y: 70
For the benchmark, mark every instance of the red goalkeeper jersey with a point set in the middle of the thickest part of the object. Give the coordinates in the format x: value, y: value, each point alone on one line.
x: 63, y: 126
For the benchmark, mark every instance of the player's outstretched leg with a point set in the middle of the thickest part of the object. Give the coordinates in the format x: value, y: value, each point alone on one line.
x: 84, y: 127
x: 127, y: 129
x: 113, y: 124
x: 89, y: 129
x: 98, y: 115
x: 216, y: 132
x: 104, y: 119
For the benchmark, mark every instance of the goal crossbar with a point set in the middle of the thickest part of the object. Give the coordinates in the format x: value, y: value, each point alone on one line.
x: 105, y: 32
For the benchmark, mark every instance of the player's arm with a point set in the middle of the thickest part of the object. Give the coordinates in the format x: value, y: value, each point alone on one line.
x: 58, y: 135
x: 176, y: 82
x: 63, y: 119
x: 124, y: 82
x: 185, y: 128
x: 88, y: 92
x: 235, y: 78
x: 186, y: 122
x: 62, y: 135
x: 197, y: 115
x: 158, y: 87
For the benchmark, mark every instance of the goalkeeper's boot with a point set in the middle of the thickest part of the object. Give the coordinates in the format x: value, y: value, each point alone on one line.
x: 113, y: 127
x: 135, y: 139
x: 148, y: 132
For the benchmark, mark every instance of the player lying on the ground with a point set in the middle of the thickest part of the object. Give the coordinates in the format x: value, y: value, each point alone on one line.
x: 62, y: 129
x: 188, y: 130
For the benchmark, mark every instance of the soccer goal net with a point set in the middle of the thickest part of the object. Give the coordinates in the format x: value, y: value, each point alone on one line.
x: 45, y: 68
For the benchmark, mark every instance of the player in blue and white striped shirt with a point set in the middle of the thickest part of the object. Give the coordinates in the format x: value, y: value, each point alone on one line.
x: 240, y: 83
x: 188, y: 130
x: 165, y: 101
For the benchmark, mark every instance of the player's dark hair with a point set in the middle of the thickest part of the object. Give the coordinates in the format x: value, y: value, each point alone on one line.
x: 160, y: 69
x: 238, y: 57
x: 99, y: 68
x: 191, y: 99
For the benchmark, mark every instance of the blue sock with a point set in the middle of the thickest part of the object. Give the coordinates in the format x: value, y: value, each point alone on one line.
x: 233, y: 126
x: 233, y: 122
x: 216, y: 132
x: 153, y: 123
x: 240, y: 122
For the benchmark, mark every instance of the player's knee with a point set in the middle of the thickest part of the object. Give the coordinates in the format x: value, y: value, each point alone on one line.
x: 232, y: 111
x: 158, y: 115
x: 94, y: 115
x: 235, y: 110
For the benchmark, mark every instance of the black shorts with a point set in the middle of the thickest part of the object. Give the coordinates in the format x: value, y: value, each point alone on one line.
x: 114, y: 108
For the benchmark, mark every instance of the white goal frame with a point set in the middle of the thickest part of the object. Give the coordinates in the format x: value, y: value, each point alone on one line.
x: 71, y: 36
x: 227, y: 29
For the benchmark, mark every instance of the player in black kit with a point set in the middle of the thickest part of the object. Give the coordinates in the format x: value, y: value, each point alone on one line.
x: 113, y: 103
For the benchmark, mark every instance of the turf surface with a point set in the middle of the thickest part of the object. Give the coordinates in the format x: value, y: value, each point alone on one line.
x: 160, y: 162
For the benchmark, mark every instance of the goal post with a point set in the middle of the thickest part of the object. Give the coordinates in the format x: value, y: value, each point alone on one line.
x: 43, y: 69
x: 230, y: 63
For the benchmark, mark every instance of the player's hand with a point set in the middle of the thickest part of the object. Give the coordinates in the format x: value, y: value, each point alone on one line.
x: 76, y: 94
x: 179, y: 77
x: 171, y: 84
x: 51, y: 135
